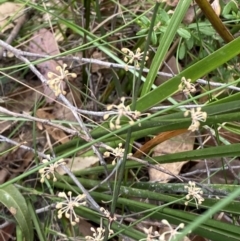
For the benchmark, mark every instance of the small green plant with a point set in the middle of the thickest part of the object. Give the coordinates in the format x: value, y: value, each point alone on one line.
x: 103, y: 183
x: 161, y: 22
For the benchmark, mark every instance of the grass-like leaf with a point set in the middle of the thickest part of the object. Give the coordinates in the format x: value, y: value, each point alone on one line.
x: 13, y: 200
x: 194, y: 72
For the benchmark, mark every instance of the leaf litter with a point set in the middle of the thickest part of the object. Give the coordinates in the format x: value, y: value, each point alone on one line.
x: 44, y: 41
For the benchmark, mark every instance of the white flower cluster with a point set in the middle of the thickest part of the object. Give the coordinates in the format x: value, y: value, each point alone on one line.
x: 165, y: 236
x: 67, y: 206
x: 55, y: 80
x: 194, y: 193
x: 133, y: 58
x: 117, y: 152
x: 197, y: 115
x: 121, y: 111
x: 47, y: 171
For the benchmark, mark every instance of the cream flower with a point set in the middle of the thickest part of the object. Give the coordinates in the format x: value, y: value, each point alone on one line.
x: 194, y: 193
x: 197, y: 115
x: 55, y: 81
x: 67, y: 206
x: 131, y: 57
x: 186, y: 87
x: 171, y: 233
x: 118, y: 153
x: 47, y: 171
x: 122, y: 110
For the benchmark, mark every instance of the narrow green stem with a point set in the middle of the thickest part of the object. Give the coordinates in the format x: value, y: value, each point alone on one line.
x: 138, y: 82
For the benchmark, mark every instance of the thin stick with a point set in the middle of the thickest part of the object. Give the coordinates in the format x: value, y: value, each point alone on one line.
x: 43, y: 121
x: 14, y: 32
x: 64, y: 100
x: 216, y: 169
x: 104, y: 63
x: 66, y: 169
x: 73, y: 109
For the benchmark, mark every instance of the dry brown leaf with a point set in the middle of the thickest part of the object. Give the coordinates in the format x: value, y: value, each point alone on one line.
x: 160, y: 138
x: 85, y: 228
x: 8, y: 10
x: 44, y: 42
x: 49, y: 17
x: 191, y: 12
x: 27, y: 158
x: 15, y: 160
x: 4, y: 173
x: 56, y: 134
x: 5, y: 125
x: 190, y: 15
x: 183, y: 142
x: 171, y: 67
x: 50, y: 6
x: 172, y: 3
x: 21, y: 100
x: 7, y: 232
x: 78, y: 163
x: 216, y: 7
x: 62, y: 112
x: 223, y: 217
x: 99, y: 56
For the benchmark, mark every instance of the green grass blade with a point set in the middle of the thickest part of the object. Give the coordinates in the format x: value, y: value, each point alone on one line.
x: 166, y: 41
x: 194, y: 72
x: 13, y: 200
x: 211, y: 152
x: 208, y: 214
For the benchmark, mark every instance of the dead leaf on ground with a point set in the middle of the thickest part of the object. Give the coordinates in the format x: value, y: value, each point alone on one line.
x: 190, y: 15
x: 191, y: 12
x: 78, y: 163
x: 51, y: 17
x: 85, y: 228
x: 160, y: 138
x: 99, y: 56
x: 7, y: 232
x: 4, y: 173
x: 55, y: 133
x: 21, y: 100
x: 5, y: 125
x: 44, y: 42
x: 171, y: 67
x: 15, y: 160
x: 172, y: 3
x: 183, y: 142
x: 8, y: 10
x: 62, y: 112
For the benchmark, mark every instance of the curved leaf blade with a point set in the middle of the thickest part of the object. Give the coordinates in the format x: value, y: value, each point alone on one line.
x: 194, y: 72
x: 166, y: 41
x: 13, y: 200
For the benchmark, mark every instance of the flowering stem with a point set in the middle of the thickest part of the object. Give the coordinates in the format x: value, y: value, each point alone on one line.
x: 138, y: 82
x: 166, y: 41
x: 120, y: 175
